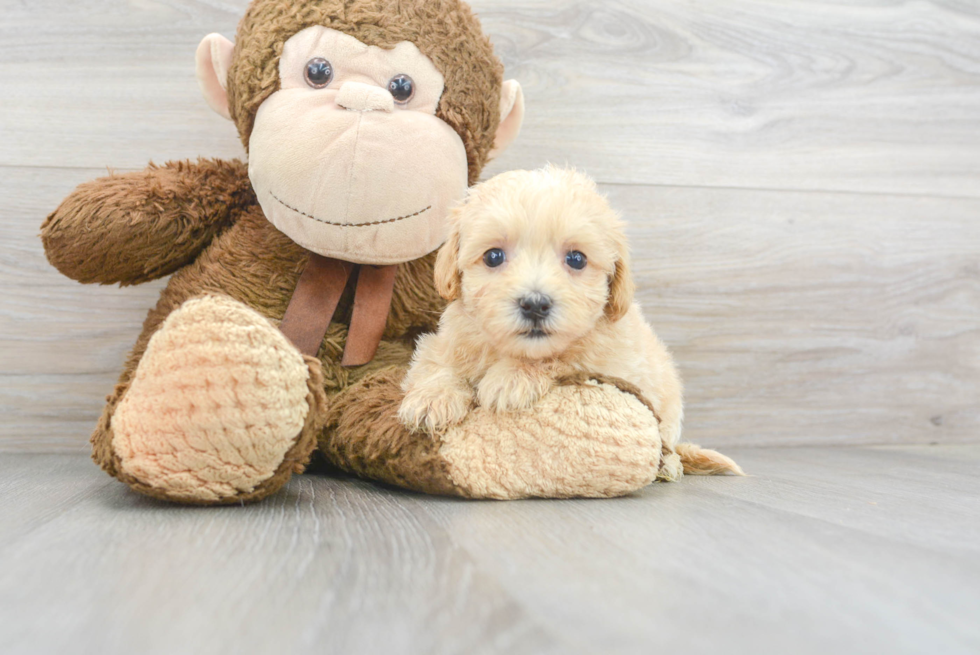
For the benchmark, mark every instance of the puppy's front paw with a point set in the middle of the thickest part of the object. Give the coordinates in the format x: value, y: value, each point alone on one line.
x: 509, y: 389
x: 432, y: 408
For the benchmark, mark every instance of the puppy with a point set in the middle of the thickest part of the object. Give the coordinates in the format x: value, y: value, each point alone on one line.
x: 537, y: 271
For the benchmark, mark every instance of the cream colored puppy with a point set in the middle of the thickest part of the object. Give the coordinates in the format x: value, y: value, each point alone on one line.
x: 537, y: 269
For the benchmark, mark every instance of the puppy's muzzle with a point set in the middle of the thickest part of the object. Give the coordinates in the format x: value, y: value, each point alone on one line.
x: 535, y: 307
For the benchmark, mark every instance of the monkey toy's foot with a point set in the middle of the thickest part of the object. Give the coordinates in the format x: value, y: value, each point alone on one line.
x: 590, y: 436
x: 218, y: 408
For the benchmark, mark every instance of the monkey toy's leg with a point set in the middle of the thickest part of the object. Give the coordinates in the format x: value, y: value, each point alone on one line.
x: 364, y: 436
x: 588, y: 437
x: 215, y: 407
x: 221, y: 408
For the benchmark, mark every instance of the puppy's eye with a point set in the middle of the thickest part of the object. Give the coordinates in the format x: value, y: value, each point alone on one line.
x: 576, y: 260
x: 402, y: 88
x: 318, y: 72
x: 494, y: 257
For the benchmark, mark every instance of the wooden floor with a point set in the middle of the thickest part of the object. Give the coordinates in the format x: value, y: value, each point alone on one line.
x: 802, y: 184
x: 822, y: 550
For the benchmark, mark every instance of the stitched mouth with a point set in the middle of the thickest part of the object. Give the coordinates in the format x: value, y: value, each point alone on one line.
x: 367, y: 224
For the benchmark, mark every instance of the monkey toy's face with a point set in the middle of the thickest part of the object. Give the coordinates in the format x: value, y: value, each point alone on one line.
x: 348, y: 156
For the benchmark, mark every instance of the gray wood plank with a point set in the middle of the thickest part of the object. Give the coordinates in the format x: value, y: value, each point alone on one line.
x: 799, y: 318
x: 877, y: 96
x: 924, y: 496
x: 97, y: 84
x: 814, y: 317
x: 795, y: 559
x: 720, y: 565
x: 37, y: 489
x: 326, y: 566
x: 62, y: 344
x: 819, y: 95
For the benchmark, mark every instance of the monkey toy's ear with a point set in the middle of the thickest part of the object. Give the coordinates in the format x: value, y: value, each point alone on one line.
x: 213, y: 61
x: 511, y: 116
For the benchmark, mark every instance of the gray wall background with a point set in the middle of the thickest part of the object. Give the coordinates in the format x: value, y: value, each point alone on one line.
x: 802, y: 182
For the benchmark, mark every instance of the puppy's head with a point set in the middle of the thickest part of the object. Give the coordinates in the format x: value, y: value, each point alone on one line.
x: 537, y: 258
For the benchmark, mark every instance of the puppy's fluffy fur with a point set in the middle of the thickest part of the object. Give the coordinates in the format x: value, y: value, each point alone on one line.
x: 490, y: 350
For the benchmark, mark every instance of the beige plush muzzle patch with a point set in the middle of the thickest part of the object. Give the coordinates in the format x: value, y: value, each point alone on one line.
x: 344, y: 170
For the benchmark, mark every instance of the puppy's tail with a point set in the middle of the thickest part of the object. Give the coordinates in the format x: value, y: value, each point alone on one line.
x: 702, y: 461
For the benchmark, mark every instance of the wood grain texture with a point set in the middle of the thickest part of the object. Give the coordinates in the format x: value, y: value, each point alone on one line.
x: 795, y: 317
x: 801, y: 184
x: 823, y: 550
x: 724, y: 132
x: 814, y: 318
x: 880, y: 95
x: 870, y: 96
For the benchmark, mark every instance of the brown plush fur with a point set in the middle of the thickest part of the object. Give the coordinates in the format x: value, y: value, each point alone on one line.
x: 257, y: 265
x: 200, y: 221
x: 446, y: 31
x: 112, y: 230
x: 364, y: 436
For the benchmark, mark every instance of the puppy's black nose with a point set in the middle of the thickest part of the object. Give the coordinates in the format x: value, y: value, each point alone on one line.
x: 535, y: 306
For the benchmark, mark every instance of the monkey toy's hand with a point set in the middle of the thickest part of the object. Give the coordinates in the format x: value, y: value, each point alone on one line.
x: 135, y: 227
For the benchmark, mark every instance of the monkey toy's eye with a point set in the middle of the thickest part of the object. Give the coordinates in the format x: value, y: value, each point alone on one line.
x: 318, y: 73
x: 402, y: 88
x: 494, y: 257
x: 576, y: 260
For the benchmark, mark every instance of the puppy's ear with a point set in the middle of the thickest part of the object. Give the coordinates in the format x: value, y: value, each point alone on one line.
x: 448, y: 277
x: 621, y: 285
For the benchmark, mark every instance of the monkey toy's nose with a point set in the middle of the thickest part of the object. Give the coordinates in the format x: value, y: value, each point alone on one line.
x: 357, y: 96
x: 535, y: 306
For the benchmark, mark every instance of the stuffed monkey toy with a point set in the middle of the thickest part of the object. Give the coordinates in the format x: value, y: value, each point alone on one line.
x: 300, y: 280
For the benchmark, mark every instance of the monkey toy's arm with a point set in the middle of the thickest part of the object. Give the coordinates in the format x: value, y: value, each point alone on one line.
x: 135, y: 227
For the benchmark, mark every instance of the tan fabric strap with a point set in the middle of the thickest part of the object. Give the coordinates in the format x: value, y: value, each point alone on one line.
x: 315, y: 300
